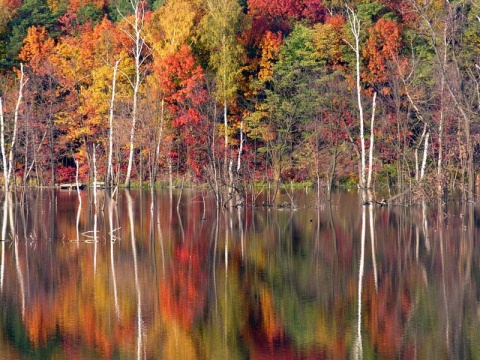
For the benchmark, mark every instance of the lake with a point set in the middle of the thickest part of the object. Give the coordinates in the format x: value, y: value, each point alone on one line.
x: 158, y: 276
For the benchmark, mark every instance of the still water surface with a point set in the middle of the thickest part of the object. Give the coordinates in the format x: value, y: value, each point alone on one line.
x: 140, y: 279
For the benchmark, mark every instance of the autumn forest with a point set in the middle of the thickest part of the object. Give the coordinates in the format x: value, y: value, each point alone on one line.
x: 233, y: 92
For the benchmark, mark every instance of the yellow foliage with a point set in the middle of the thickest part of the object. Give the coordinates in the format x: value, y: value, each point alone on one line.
x: 328, y: 40
x: 171, y: 26
x: 56, y: 5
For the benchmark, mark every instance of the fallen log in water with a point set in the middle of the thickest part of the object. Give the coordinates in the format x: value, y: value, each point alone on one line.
x: 71, y: 186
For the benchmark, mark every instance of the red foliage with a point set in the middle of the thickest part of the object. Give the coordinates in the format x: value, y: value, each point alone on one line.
x: 280, y: 14
x: 313, y: 10
x: 402, y: 7
x: 182, y: 81
x: 382, y: 45
x: 337, y: 21
x: 11, y: 5
x: 65, y: 174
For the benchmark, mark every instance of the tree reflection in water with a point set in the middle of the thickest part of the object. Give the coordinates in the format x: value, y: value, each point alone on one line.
x: 209, y: 283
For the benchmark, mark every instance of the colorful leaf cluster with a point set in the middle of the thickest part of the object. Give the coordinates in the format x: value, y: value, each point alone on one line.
x: 256, y: 82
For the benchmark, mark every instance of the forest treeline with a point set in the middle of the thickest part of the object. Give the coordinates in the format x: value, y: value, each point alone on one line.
x: 228, y: 92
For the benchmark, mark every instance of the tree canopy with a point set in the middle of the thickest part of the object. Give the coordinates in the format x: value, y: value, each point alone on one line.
x: 247, y: 82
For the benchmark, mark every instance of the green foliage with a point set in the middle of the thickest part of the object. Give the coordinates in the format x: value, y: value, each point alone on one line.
x: 370, y: 12
x: 219, y: 37
x: 31, y: 13
x: 119, y: 9
x: 469, y: 47
x: 88, y: 13
x: 293, y: 95
x: 387, y: 175
x: 157, y: 3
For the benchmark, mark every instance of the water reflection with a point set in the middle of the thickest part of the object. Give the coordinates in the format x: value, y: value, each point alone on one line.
x: 358, y: 347
x: 139, y: 277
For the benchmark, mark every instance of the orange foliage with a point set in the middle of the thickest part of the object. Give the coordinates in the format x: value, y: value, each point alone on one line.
x: 37, y: 48
x: 382, y: 46
x: 270, y: 46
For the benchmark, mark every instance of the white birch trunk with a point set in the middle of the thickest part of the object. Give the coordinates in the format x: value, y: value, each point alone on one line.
x: 225, y: 124
x: 354, y: 22
x: 372, y: 142
x: 425, y: 154
x: 7, y: 167
x: 77, y: 223
x: 417, y: 168
x: 225, y: 108
x: 94, y: 178
x: 159, y: 140
x: 214, y: 165
x: 139, y: 45
x: 239, y: 159
x: 442, y: 106
x: 110, y: 125
x: 15, y: 122
x: 76, y: 182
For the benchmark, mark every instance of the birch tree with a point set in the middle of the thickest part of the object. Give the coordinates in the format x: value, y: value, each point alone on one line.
x: 372, y: 143
x: 355, y: 27
x: 135, y: 31
x: 110, y: 125
x: 7, y: 166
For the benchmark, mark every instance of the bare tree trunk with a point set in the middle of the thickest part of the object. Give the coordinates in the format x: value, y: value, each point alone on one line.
x: 442, y: 113
x: 354, y: 23
x: 218, y: 196
x: 95, y: 177
x: 425, y: 155
x: 225, y: 124
x: 417, y: 168
x: 110, y: 123
x: 239, y: 159
x: 225, y: 108
x: 139, y: 45
x: 154, y: 166
x: 76, y: 180
x: 372, y: 139
x: 7, y: 168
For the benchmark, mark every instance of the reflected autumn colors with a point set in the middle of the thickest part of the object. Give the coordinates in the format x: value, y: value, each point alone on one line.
x: 138, y: 277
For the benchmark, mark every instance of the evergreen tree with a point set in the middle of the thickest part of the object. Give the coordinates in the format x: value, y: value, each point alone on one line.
x: 31, y: 13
